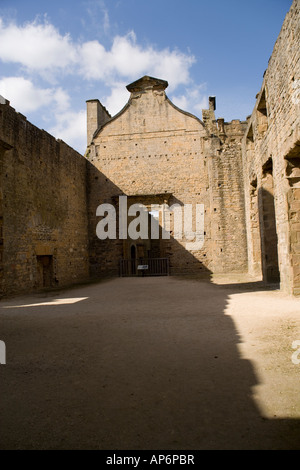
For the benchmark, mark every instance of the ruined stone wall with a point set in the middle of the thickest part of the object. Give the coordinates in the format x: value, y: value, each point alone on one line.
x: 152, y: 148
x: 271, y: 162
x: 43, y: 208
x: 246, y: 174
x: 227, y: 200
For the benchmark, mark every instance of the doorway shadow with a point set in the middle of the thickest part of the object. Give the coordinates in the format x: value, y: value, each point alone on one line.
x: 268, y: 232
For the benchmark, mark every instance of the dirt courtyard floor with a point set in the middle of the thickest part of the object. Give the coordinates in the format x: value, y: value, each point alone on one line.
x: 151, y: 364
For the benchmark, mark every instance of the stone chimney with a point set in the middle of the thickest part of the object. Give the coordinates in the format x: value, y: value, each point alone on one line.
x: 97, y: 116
x: 208, y: 115
x: 212, y: 103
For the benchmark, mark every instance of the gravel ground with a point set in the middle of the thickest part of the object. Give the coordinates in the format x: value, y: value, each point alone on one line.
x: 151, y: 363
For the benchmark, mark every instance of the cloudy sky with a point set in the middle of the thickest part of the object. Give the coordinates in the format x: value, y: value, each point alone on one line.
x: 55, y: 55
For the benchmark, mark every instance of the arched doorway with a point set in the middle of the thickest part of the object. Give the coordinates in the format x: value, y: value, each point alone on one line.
x: 269, y: 239
x: 133, y: 252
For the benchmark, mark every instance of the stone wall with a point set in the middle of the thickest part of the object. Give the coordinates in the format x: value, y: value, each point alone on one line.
x: 151, y: 149
x: 271, y: 160
x: 43, y: 208
x: 228, y: 205
x: 245, y: 174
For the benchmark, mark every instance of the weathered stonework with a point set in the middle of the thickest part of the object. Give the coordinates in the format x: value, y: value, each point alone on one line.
x: 246, y: 174
x: 43, y: 208
x: 152, y: 148
x: 271, y: 160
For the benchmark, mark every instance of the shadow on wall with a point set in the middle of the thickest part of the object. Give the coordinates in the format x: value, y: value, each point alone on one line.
x: 268, y: 236
x: 105, y: 255
x: 131, y: 364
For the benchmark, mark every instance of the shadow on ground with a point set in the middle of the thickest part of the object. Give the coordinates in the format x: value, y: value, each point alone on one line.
x: 138, y: 363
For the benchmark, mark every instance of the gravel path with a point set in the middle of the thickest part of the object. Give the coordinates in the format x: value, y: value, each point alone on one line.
x: 151, y: 363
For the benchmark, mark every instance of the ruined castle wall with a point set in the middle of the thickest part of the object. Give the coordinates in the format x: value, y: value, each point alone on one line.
x: 153, y: 148
x: 43, y: 208
x: 227, y: 201
x: 271, y: 161
x: 149, y: 149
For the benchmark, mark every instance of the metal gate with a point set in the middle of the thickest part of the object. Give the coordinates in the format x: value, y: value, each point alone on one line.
x: 145, y: 267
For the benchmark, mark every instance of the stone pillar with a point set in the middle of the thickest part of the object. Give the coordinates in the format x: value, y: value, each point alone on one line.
x: 97, y: 116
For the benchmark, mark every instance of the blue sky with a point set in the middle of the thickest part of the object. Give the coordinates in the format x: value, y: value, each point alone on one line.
x: 55, y: 55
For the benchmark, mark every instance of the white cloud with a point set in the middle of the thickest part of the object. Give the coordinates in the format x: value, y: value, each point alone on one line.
x: 53, y: 105
x: 181, y: 102
x: 93, y: 8
x: 106, y: 21
x: 61, y: 98
x: 40, y: 48
x: 129, y: 60
x: 27, y: 97
x: 193, y: 100
x: 93, y: 61
x: 174, y: 67
x: 36, y: 46
x: 117, y: 99
x: 70, y: 127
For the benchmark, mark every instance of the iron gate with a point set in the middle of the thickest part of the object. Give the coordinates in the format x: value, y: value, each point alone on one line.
x: 145, y: 267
